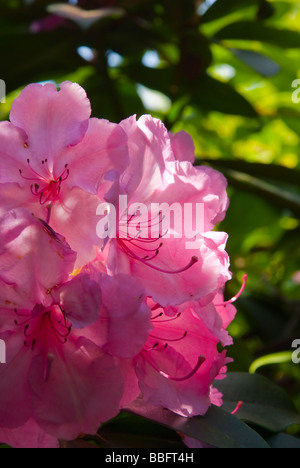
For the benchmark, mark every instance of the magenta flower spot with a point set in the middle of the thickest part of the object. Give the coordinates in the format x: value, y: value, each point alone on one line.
x: 47, y: 186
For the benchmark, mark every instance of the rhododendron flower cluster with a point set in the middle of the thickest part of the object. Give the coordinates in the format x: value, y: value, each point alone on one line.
x: 93, y: 322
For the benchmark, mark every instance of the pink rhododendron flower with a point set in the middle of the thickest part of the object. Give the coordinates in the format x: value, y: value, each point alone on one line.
x: 180, y: 361
x: 169, y: 355
x: 170, y: 272
x: 54, y: 376
x: 91, y: 323
x: 54, y: 158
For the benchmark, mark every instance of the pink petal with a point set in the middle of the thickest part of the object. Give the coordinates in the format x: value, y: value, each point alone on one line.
x: 130, y: 380
x: 103, y: 149
x: 13, y: 196
x: 30, y: 435
x: 83, y: 390
x: 169, y: 368
x: 75, y: 218
x: 80, y: 299
x: 195, y: 185
x: 13, y: 154
x: 53, y: 120
x: 187, y: 398
x: 15, y: 405
x: 29, y: 245
x: 128, y: 318
x: 149, y: 149
x: 183, y: 146
x: 199, y: 282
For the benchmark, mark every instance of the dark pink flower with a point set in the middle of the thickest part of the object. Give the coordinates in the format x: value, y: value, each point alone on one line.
x: 55, y: 373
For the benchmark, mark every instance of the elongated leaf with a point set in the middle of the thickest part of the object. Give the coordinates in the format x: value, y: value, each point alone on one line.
x: 255, y: 31
x: 264, y: 403
x: 259, y: 62
x: 284, y: 441
x: 268, y: 171
x: 212, y: 94
x: 222, y: 8
x: 216, y: 428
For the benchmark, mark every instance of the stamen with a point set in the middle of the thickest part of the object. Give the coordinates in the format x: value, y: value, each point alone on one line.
x: 131, y: 254
x: 170, y: 339
x: 166, y: 320
x: 156, y: 316
x: 201, y: 360
x: 231, y: 301
x: 238, y: 407
x: 47, y: 187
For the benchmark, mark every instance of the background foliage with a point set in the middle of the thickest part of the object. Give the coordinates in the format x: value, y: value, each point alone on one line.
x: 223, y: 71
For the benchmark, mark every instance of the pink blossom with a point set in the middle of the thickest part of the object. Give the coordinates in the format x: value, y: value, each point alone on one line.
x: 55, y: 374
x: 179, y: 363
x: 54, y: 158
x: 170, y: 272
x: 169, y: 355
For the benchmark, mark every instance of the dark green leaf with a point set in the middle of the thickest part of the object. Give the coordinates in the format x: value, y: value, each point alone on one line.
x: 259, y: 62
x: 255, y: 31
x: 222, y: 8
x: 268, y: 171
x: 216, y: 428
x: 215, y: 95
x: 264, y: 403
x: 284, y: 441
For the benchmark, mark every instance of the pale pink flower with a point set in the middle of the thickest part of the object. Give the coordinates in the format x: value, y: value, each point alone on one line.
x: 54, y: 159
x: 160, y: 171
x: 55, y: 373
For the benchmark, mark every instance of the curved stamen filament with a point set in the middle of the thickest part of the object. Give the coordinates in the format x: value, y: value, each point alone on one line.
x: 169, y: 339
x: 201, y: 360
x: 232, y: 300
x: 165, y: 320
x: 47, y: 186
x: 131, y: 254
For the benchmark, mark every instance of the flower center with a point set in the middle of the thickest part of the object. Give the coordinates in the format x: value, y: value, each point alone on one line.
x: 145, y: 249
x: 46, y: 186
x: 162, y: 344
x: 43, y: 325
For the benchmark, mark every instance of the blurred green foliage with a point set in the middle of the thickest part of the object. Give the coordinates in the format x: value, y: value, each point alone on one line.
x: 225, y: 72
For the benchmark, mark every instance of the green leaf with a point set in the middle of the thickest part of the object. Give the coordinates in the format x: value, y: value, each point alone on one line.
x: 215, y: 95
x: 255, y: 31
x: 222, y: 8
x: 259, y: 62
x: 216, y: 428
x: 284, y: 441
x: 264, y: 403
x: 268, y: 171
